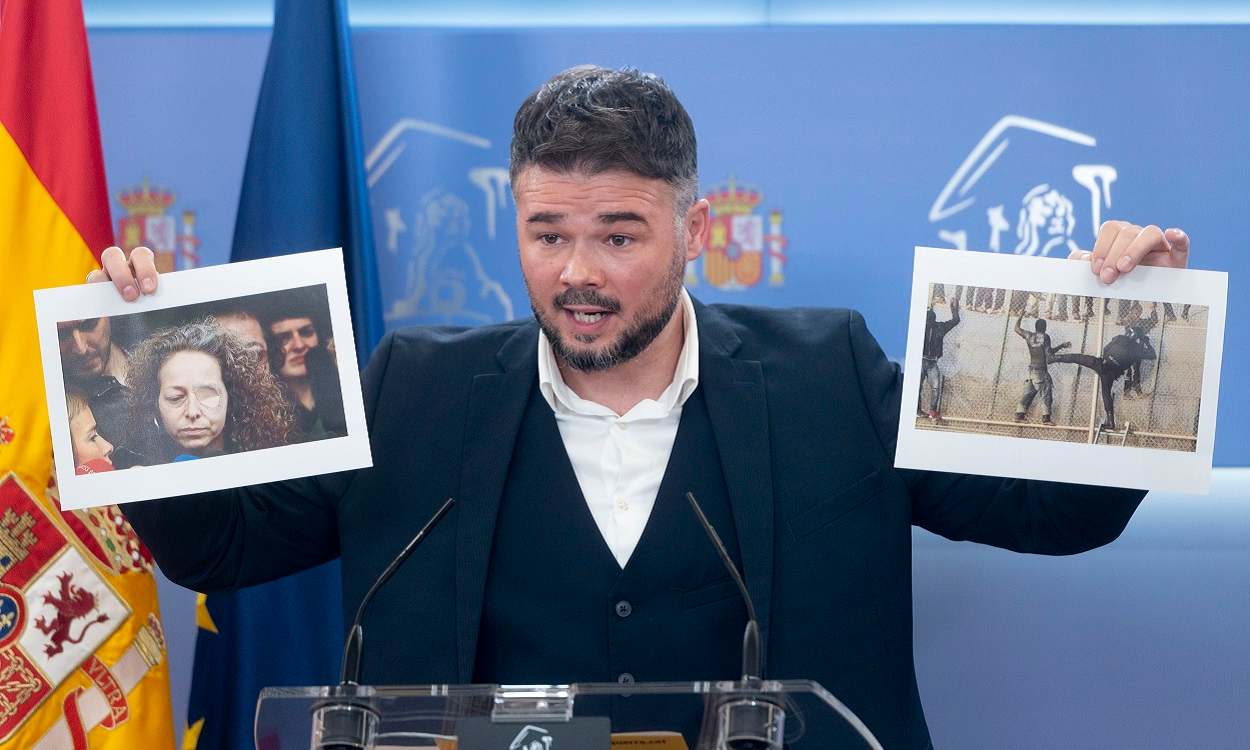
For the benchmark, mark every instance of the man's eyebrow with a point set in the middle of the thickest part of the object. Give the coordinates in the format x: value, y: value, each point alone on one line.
x: 615, y: 216
x: 545, y: 217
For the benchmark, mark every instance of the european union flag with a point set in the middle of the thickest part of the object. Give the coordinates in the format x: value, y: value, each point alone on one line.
x: 303, y: 189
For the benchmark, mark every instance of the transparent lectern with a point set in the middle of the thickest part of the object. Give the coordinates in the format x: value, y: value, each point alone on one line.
x: 731, y: 715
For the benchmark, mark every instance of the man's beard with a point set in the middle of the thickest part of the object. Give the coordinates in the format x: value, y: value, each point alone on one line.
x: 79, y: 369
x: 631, y: 342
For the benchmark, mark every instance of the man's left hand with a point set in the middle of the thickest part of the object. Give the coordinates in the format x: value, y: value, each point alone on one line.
x: 1122, y: 246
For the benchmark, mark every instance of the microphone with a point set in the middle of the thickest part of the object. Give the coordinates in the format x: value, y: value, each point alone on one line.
x: 345, y: 722
x: 749, y: 720
x: 751, y: 667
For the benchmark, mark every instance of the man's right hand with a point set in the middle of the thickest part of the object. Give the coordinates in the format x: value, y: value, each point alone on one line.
x: 132, y: 276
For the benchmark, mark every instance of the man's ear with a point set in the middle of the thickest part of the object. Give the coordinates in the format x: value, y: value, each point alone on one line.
x: 697, y: 227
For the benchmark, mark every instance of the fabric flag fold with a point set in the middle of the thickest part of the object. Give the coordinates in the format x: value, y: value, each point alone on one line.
x: 83, y: 662
x: 303, y: 189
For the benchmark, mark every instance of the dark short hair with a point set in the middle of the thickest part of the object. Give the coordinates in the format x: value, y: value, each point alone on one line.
x: 300, y: 302
x: 594, y: 119
x: 1039, y: 325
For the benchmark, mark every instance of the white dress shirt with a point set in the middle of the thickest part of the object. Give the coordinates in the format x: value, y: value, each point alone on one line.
x: 620, y: 460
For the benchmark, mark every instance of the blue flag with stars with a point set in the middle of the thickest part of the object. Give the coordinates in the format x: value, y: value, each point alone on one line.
x: 303, y: 189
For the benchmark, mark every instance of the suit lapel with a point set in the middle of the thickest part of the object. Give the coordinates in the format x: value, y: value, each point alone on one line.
x: 496, y: 405
x: 736, y: 403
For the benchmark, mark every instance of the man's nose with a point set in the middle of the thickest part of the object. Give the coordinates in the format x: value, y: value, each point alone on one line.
x: 80, y: 342
x: 581, y: 268
x: 107, y: 447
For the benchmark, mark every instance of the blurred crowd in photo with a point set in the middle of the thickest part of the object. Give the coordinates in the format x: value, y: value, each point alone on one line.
x: 202, y: 380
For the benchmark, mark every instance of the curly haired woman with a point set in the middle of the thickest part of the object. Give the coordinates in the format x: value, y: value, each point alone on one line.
x: 197, y: 391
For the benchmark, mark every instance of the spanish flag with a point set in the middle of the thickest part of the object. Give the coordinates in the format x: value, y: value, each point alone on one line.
x: 82, y: 653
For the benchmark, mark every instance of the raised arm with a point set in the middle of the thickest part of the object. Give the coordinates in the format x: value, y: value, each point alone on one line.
x: 245, y: 535
x: 1021, y: 515
x: 944, y: 326
x: 248, y: 535
x: 1020, y: 328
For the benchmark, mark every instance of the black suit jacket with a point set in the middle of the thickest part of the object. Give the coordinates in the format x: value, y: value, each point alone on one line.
x: 804, y: 407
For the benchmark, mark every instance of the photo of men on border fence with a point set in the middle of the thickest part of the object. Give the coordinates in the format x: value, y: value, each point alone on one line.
x: 1049, y: 366
x: 201, y: 380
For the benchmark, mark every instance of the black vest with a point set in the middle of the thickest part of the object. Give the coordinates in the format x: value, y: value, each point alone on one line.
x: 558, y: 608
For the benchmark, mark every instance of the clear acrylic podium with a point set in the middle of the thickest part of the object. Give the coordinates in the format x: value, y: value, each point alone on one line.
x: 645, y: 716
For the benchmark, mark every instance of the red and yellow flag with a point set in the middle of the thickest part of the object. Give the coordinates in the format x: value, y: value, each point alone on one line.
x: 82, y: 654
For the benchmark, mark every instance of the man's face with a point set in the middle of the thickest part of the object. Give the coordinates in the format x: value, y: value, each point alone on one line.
x: 85, y: 440
x: 603, y: 258
x: 193, y: 401
x: 85, y: 346
x: 295, y: 336
x: 248, y: 330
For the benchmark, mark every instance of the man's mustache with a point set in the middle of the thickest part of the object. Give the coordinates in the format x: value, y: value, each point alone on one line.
x: 588, y: 297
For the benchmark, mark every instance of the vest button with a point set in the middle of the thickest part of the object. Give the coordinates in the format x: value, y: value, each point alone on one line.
x: 624, y: 608
x: 625, y: 678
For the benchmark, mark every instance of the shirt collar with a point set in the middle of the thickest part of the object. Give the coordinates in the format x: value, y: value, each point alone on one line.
x: 562, y: 399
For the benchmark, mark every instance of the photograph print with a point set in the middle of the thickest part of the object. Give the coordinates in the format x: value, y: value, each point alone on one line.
x: 198, y: 390
x: 1031, y: 367
x: 201, y: 380
x: 1020, y: 363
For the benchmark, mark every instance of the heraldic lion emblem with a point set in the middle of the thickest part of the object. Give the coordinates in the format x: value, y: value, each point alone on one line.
x: 73, y: 603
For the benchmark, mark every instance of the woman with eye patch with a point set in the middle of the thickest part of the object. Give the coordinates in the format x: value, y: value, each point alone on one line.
x: 197, y: 392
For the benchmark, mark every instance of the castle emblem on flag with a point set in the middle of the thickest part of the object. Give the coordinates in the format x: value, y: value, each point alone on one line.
x: 6, y: 431
x: 146, y: 223
x: 741, y: 248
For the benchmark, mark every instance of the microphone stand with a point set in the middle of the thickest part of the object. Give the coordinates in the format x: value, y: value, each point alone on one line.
x: 345, y: 721
x: 750, y: 720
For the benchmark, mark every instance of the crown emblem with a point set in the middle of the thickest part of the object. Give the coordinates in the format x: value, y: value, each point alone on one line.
x: 732, y: 200
x: 144, y: 201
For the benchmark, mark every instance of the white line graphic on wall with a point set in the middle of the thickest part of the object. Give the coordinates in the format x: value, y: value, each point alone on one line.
x: 445, y: 278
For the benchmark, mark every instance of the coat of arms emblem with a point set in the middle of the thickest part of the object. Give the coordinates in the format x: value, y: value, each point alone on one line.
x: 146, y: 223
x: 57, y: 609
x: 742, y: 248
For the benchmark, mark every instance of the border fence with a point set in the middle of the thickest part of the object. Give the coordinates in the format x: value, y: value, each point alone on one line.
x: 985, y: 366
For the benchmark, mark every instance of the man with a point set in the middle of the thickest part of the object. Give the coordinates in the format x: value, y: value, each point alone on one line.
x: 930, y: 371
x: 301, y: 354
x: 96, y: 366
x: 1140, y: 331
x: 570, y: 439
x: 1038, y: 379
x: 246, y: 326
x: 1120, y: 355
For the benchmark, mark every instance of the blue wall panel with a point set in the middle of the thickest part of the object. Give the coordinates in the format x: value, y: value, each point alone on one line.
x: 852, y: 133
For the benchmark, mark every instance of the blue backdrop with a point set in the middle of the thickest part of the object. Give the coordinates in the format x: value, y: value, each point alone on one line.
x: 853, y: 133
x: 856, y: 135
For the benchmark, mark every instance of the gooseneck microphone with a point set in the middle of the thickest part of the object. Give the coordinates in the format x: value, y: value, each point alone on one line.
x: 752, y: 669
x: 749, y: 720
x: 345, y: 721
